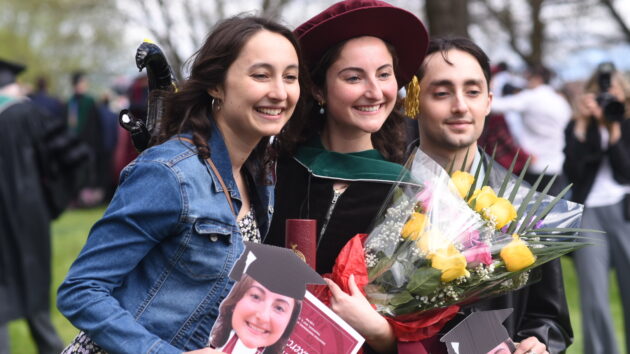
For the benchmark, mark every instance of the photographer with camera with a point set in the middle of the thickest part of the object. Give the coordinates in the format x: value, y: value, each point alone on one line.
x: 597, y: 162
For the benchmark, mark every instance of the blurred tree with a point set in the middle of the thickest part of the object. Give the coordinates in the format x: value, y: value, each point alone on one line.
x: 532, y: 51
x: 55, y: 37
x: 543, y: 29
x: 179, y: 26
x: 447, y: 17
x: 623, y: 25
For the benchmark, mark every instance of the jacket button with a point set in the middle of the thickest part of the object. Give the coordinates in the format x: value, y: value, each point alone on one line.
x: 213, y: 238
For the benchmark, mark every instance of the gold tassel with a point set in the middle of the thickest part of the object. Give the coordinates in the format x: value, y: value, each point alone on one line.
x: 412, y: 100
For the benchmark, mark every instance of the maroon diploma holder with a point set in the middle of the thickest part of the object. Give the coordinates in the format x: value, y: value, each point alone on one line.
x: 301, y: 237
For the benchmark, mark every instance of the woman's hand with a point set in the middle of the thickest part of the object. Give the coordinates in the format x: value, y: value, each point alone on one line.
x: 355, y: 309
x: 586, y: 107
x: 531, y: 345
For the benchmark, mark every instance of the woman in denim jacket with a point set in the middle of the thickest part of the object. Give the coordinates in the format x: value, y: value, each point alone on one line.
x: 155, y: 268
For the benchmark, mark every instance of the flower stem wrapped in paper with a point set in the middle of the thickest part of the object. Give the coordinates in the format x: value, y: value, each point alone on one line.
x: 442, y: 240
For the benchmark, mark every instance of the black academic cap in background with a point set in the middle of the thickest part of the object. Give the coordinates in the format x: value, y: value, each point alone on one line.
x: 478, y: 333
x: 9, y: 71
x: 278, y: 269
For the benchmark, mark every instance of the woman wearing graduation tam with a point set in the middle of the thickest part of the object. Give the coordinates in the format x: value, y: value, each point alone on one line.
x: 339, y: 167
x: 262, y: 308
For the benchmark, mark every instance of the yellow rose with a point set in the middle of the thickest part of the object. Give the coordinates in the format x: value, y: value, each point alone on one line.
x: 517, y: 255
x: 414, y: 226
x: 483, y: 198
x: 501, y: 211
x: 451, y: 262
x: 431, y: 240
x: 462, y: 181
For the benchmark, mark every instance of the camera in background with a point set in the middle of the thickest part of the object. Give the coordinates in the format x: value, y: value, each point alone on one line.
x: 613, y: 109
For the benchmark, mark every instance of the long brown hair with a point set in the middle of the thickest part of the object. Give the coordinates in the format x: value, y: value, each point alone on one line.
x: 188, y: 109
x: 223, y: 326
x: 389, y: 140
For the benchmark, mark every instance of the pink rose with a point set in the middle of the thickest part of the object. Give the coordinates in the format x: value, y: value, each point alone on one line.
x: 479, y: 253
x: 425, y: 196
x: 470, y: 238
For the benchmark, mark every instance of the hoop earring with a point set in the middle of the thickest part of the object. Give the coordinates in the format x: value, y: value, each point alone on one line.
x: 321, y: 107
x: 216, y: 104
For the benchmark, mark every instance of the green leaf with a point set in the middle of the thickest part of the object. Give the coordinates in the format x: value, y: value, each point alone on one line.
x: 549, y: 207
x: 383, y: 264
x: 472, y: 187
x: 489, y: 169
x: 463, y: 167
x: 401, y: 299
x: 508, y: 175
x: 518, y: 181
x: 564, y: 229
x: 525, y: 202
x: 451, y: 167
x: 526, y: 221
x: 424, y: 281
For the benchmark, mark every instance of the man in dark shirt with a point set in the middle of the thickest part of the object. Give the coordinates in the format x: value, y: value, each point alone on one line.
x: 454, y: 101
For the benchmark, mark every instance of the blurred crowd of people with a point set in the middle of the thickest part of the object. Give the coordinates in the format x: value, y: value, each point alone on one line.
x: 95, y: 122
x: 581, y: 136
x: 55, y: 155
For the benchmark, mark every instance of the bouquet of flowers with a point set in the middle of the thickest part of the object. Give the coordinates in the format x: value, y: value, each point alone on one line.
x: 448, y: 239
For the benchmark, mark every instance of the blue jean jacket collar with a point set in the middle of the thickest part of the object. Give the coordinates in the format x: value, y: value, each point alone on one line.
x: 221, y: 158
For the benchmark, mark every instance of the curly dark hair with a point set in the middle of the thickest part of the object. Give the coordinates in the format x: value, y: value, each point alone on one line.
x: 188, y: 109
x: 389, y: 140
x: 223, y: 326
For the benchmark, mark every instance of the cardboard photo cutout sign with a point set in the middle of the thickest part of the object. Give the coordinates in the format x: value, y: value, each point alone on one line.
x: 261, y: 311
x: 480, y: 332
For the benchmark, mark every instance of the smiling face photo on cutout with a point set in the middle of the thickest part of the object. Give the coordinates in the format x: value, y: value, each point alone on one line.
x: 261, y: 316
x: 255, y: 317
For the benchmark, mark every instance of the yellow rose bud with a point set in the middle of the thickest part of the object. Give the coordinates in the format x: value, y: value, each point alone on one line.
x: 501, y: 211
x: 517, y: 255
x: 483, y: 198
x: 431, y: 240
x: 414, y: 226
x: 451, y: 262
x: 462, y: 181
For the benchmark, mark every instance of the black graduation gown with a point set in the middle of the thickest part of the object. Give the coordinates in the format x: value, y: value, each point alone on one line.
x: 299, y: 194
x: 24, y: 218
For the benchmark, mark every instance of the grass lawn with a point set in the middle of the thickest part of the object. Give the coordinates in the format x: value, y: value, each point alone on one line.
x: 70, y: 232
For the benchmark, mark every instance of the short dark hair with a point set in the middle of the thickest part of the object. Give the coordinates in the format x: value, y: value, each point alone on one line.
x: 541, y: 71
x: 77, y: 76
x: 444, y: 44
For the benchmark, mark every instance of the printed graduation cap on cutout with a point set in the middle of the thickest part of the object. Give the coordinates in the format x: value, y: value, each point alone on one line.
x: 278, y: 269
x: 479, y: 333
x: 9, y: 71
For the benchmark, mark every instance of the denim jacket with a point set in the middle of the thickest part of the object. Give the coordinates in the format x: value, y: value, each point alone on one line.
x: 155, y: 268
